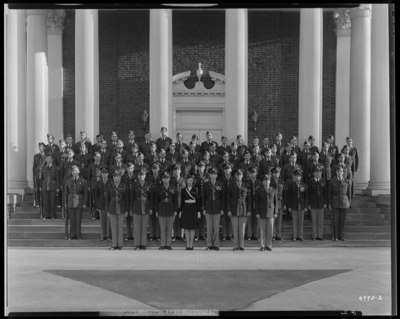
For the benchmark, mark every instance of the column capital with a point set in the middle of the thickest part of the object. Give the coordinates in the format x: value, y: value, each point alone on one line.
x: 342, y: 20
x: 36, y: 12
x: 55, y: 21
x: 364, y: 10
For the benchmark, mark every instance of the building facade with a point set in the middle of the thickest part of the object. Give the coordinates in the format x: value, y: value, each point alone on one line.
x: 303, y: 72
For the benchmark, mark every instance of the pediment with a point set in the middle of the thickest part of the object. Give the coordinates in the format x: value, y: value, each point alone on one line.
x: 179, y: 88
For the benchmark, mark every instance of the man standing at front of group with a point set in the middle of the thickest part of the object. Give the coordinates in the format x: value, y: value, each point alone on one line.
x: 317, y: 200
x: 353, y: 152
x: 50, y: 186
x: 38, y: 163
x: 164, y: 140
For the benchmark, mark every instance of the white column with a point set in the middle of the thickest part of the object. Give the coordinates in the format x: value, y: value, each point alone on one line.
x: 37, y: 84
x: 380, y: 102
x: 236, y: 43
x: 86, y: 73
x: 310, y: 75
x: 55, y: 22
x: 160, y: 70
x: 342, y: 108
x: 16, y: 103
x: 360, y: 91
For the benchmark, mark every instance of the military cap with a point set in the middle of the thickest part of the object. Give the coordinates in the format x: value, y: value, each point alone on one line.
x: 227, y: 165
x: 188, y: 176
x: 68, y: 135
x: 275, y: 170
x: 342, y: 155
x: 288, y: 144
x: 47, y: 154
x: 330, y: 136
x: 41, y: 143
x: 164, y: 128
x: 206, y: 152
x: 201, y: 163
x: 345, y: 147
x: 131, y: 132
x: 225, y: 154
x: 135, y: 145
x: 293, y: 155
x: 294, y: 137
x: 246, y: 153
x: 311, y: 138
x: 348, y: 138
x: 118, y: 155
x: 298, y: 172
x: 183, y: 150
x: 75, y: 167
x: 253, y: 170
x: 104, y: 170
x: 117, y: 173
x: 339, y: 168
x: 267, y: 149
x: 239, y: 136
x: 212, y: 170
x: 266, y: 177
x: 82, y: 132
x: 70, y: 150
x: 178, y: 134
x: 142, y: 172
x: 140, y: 154
x: 239, y: 172
x: 100, y: 134
x: 176, y: 167
x: 213, y: 145
x: 307, y: 143
x: 162, y: 150
x: 317, y: 168
x: 155, y: 166
x: 195, y: 136
x: 97, y: 154
x: 233, y: 144
x: 208, y: 133
x: 166, y: 174
x: 114, y: 134
x: 148, y: 133
x: 50, y: 135
x: 61, y: 140
x: 277, y: 134
x: 130, y: 164
x: 98, y: 169
x: 315, y: 154
x: 223, y: 137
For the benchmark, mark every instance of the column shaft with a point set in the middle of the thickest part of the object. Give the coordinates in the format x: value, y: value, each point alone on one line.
x: 16, y: 103
x: 310, y: 76
x: 160, y: 70
x: 236, y: 44
x: 380, y: 102
x: 37, y: 84
x: 360, y: 91
x: 87, y: 73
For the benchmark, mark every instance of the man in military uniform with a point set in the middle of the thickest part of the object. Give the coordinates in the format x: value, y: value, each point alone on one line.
x: 285, y: 156
x: 246, y: 164
x: 195, y: 141
x: 66, y: 169
x: 141, y: 165
x: 235, y: 157
x: 58, y: 156
x: 252, y: 221
x: 132, y: 156
x: 295, y: 147
x: 213, y: 205
x: 297, y: 203
x: 317, y: 200
x: 305, y: 156
x: 275, y: 156
x: 313, y: 148
x: 256, y: 142
x: 128, y: 146
x: 279, y: 144
x: 225, y: 160
x: 208, y: 164
x: 38, y: 163
x: 101, y: 190
x: 188, y: 167
x: 92, y: 181
x: 156, y: 181
x: 119, y: 150
x: 215, y: 158
x: 118, y: 165
x: 151, y: 157
x: 353, y: 152
x: 223, y: 147
x: 114, y: 142
x: 348, y: 160
x: 339, y: 202
x: 313, y: 163
x: 194, y: 156
x: 70, y: 142
x: 174, y: 156
x: 145, y: 146
x: 287, y: 170
x: 201, y: 178
x: 130, y: 180
x: 105, y: 154
x: 241, y: 148
x: 281, y: 188
x: 205, y: 146
x: 165, y: 165
x: 84, y: 140
x: 226, y: 178
x: 50, y: 186
x: 179, y: 183
x: 330, y: 140
x: 179, y: 145
x: 256, y: 156
x: 84, y: 159
x: 51, y: 145
x: 76, y: 194
x: 266, y: 164
x: 265, y: 145
x: 97, y: 147
x: 164, y: 141
x: 346, y: 169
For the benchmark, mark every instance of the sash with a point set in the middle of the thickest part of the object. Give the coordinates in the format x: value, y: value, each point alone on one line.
x: 192, y: 200
x: 241, y: 210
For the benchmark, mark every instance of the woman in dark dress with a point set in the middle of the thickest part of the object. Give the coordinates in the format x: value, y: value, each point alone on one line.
x: 190, y: 211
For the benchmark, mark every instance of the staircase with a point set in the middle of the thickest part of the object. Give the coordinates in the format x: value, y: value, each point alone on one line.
x: 368, y: 224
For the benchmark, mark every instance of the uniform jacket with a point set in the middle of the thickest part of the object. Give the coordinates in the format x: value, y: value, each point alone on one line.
x: 194, y: 192
x: 155, y: 181
x: 308, y: 173
x: 150, y: 158
x: 354, y: 154
x: 339, y: 193
x: 165, y: 166
x: 130, y: 183
x: 297, y: 196
x: 304, y: 158
x: 115, y: 167
x: 213, y: 197
x: 59, y: 157
x: 337, y: 150
x: 279, y: 148
x: 235, y: 158
x: 223, y: 148
x: 265, y: 165
x: 141, y: 198
x: 179, y: 184
x: 187, y: 167
x: 105, y: 157
x: 281, y: 191
x: 314, y: 149
x: 166, y: 201
x: 317, y: 193
x: 266, y: 204
x: 287, y: 171
x: 51, y: 178
x: 179, y: 146
x: 75, y: 187
x: 174, y: 157
x: 95, y: 148
x: 253, y: 187
x: 38, y: 163
x: 200, y: 181
x: 131, y: 158
x: 145, y: 147
x: 349, y: 162
x: 92, y: 178
x: 215, y: 159
x: 78, y: 147
x: 296, y: 149
x: 195, y: 157
x: 241, y: 149
x: 123, y: 153
x: 221, y: 169
x: 346, y: 171
x: 142, y: 166
x: 84, y: 163
x: 278, y: 159
x: 48, y: 147
x: 66, y: 169
x: 101, y: 189
x: 128, y: 146
x: 163, y: 143
x: 205, y: 146
x: 256, y: 159
x: 117, y: 196
x: 112, y: 146
x: 236, y: 196
x: 245, y: 166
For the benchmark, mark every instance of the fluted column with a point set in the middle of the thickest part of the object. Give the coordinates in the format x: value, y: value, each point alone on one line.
x: 360, y: 91
x: 86, y: 73
x: 37, y: 84
x: 16, y: 103
x: 342, y: 98
x: 160, y: 70
x: 236, y: 44
x: 310, y: 75
x: 55, y: 21
x: 379, y: 182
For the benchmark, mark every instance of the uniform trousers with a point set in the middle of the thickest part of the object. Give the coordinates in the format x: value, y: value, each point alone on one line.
x: 298, y: 219
x: 154, y: 226
x: 49, y: 203
x: 266, y: 230
x: 201, y: 231
x: 352, y: 188
x: 38, y: 185
x: 339, y: 221
x: 94, y: 201
x: 252, y: 226
x: 278, y: 224
x: 140, y: 223
x: 226, y: 226
x: 177, y: 227
x: 75, y: 218
x: 128, y: 223
x: 166, y: 224
x: 105, y: 223
x: 317, y: 217
x: 117, y: 229
x: 239, y: 227
x: 213, y: 229
x: 59, y: 198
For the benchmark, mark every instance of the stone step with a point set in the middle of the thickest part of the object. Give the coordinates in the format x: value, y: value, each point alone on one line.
x: 364, y: 210
x: 36, y: 215
x: 382, y: 200
x: 361, y: 204
x: 363, y: 198
x: 31, y: 209
x: 199, y: 245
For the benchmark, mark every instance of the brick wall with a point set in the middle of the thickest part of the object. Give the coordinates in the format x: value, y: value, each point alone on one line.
x: 329, y: 78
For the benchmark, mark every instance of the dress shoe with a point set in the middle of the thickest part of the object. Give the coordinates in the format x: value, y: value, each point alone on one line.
x: 48, y: 217
x: 173, y: 238
x: 161, y: 248
x: 248, y: 238
x: 112, y: 248
x: 273, y: 238
x: 44, y: 218
x: 151, y: 239
x: 234, y: 249
x: 137, y: 248
x: 108, y: 238
x: 241, y: 248
x: 223, y: 238
x: 143, y: 247
x: 158, y: 239
x: 228, y: 238
x: 262, y: 248
x: 209, y: 248
x: 196, y: 238
x: 336, y: 239
x: 301, y: 239
x: 216, y: 248
x: 79, y: 238
x: 320, y: 238
x: 101, y: 239
x: 294, y: 239
x: 183, y: 239
x: 187, y: 248
x: 254, y: 238
x: 342, y: 239
x: 130, y: 238
x: 191, y: 248
x: 269, y: 248
x: 169, y: 247
x: 279, y: 238
x: 314, y: 239
x: 119, y: 247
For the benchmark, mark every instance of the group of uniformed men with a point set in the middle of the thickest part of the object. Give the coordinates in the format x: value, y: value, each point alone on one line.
x: 306, y: 180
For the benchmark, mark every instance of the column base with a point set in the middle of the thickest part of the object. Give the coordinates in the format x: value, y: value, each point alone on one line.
x: 17, y: 187
x: 377, y: 188
x: 360, y: 187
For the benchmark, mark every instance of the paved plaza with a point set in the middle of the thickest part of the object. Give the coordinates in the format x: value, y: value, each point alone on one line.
x: 288, y: 278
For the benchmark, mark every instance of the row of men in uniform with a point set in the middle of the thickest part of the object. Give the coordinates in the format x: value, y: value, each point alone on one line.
x: 51, y: 180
